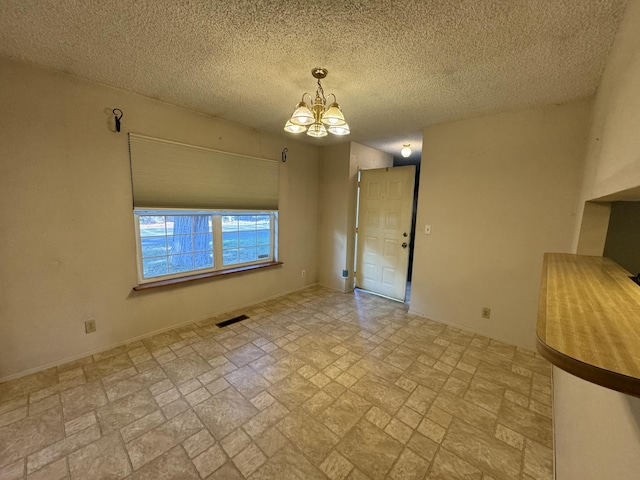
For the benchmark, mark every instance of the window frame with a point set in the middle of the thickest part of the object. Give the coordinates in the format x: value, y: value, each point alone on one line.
x: 216, y: 233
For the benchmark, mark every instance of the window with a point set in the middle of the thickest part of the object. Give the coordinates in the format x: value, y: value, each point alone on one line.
x: 177, y: 243
x: 245, y: 239
x: 200, y: 211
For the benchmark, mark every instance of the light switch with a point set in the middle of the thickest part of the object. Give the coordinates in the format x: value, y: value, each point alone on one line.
x: 427, y: 229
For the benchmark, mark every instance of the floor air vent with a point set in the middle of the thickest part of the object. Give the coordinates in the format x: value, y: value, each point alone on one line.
x: 231, y: 321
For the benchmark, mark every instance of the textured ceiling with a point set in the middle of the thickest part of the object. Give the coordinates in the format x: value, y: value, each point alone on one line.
x: 395, y: 66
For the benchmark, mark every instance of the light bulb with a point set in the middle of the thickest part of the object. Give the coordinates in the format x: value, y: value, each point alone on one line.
x: 339, y: 129
x: 302, y: 115
x: 293, y: 128
x: 406, y: 151
x: 317, y: 130
x: 333, y: 115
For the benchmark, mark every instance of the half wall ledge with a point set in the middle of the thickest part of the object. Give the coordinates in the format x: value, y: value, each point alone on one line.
x: 589, y: 320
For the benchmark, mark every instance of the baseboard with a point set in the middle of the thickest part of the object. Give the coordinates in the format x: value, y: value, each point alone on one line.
x: 145, y: 335
x: 472, y: 330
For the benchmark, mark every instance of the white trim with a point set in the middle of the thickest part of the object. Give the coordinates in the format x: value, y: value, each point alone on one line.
x: 371, y: 292
x: 146, y: 335
x: 199, y: 211
x: 553, y: 423
x: 216, y: 232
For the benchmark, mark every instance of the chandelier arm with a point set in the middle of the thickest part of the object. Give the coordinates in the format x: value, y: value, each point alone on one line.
x: 308, y: 95
x: 335, y: 100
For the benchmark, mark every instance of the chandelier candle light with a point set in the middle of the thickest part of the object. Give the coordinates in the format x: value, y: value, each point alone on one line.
x: 318, y: 119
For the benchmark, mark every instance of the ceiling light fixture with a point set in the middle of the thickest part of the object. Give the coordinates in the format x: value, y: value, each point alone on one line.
x: 318, y: 119
x: 406, y: 150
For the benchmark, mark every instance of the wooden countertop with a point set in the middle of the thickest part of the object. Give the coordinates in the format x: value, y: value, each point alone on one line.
x: 589, y: 320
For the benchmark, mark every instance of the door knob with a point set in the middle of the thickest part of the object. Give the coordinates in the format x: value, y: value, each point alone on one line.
x: 404, y: 245
x: 405, y: 234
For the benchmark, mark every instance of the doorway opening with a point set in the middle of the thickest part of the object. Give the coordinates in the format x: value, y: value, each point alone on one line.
x: 398, y: 161
x: 385, y: 215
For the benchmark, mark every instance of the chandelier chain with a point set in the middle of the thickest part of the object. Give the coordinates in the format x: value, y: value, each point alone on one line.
x: 321, y: 90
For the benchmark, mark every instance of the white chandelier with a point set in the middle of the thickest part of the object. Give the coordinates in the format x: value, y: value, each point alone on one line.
x: 318, y: 119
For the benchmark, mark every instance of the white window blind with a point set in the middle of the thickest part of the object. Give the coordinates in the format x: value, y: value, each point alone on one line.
x: 169, y: 174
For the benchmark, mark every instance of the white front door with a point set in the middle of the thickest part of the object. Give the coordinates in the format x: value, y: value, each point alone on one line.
x: 384, y: 227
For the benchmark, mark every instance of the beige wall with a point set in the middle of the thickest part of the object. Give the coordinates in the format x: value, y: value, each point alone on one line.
x: 593, y: 227
x: 623, y: 236
x: 499, y: 191
x: 338, y: 192
x: 68, y: 245
x: 613, y: 155
x: 597, y: 431
x: 334, y: 214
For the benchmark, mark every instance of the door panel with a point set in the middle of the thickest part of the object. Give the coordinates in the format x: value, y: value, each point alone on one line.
x: 384, y: 225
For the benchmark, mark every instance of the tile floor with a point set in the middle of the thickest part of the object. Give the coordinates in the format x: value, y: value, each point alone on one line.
x: 314, y: 385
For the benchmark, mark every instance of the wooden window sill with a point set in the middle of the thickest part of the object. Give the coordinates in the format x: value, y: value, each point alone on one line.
x: 202, y: 276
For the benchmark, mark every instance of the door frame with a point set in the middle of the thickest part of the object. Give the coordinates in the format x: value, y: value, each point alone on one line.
x: 411, y: 236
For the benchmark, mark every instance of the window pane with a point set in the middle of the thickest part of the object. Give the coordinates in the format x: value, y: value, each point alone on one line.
x: 247, y: 222
x: 178, y: 244
x: 154, y: 267
x: 203, y: 260
x: 229, y: 257
x: 202, y: 224
x: 202, y: 242
x: 248, y: 255
x: 179, y: 224
x: 229, y: 223
x: 230, y: 240
x: 264, y: 252
x: 247, y: 239
x: 264, y: 237
x: 153, y: 246
x: 263, y: 222
x: 151, y: 225
x: 180, y: 263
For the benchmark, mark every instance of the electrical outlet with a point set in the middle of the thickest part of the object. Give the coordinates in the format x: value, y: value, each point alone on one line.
x: 304, y: 273
x: 90, y: 326
x: 486, y: 312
